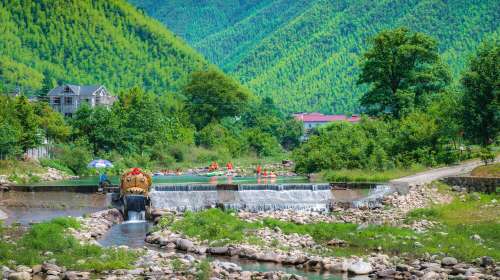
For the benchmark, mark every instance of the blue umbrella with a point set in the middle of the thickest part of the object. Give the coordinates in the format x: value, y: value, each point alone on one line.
x: 100, y: 163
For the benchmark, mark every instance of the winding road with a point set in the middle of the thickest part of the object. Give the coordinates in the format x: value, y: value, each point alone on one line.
x: 438, y: 173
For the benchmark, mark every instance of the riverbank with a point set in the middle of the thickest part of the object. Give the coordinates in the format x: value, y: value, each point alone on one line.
x: 30, y: 171
x: 414, y: 235
x: 427, y: 233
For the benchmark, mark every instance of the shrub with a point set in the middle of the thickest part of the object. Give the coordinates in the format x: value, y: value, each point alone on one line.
x: 262, y: 143
x: 487, y: 155
x: 75, y: 156
x: 56, y: 164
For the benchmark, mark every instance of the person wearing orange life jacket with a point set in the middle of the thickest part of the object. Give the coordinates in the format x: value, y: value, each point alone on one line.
x: 229, y: 166
x: 258, y: 170
x: 213, y: 166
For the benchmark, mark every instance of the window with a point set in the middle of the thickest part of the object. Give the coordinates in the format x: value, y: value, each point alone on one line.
x: 56, y: 100
x: 97, y: 100
x: 68, y: 100
x: 67, y: 89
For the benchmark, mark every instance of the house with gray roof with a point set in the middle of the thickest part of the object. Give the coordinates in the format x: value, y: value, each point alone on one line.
x: 66, y: 99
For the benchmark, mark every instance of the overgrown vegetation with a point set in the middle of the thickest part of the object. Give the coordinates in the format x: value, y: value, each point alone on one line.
x: 367, y: 175
x: 31, y: 248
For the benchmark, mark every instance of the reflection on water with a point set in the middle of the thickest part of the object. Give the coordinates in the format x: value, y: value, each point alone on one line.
x: 26, y: 216
x: 27, y: 207
x: 182, y: 179
x: 130, y: 233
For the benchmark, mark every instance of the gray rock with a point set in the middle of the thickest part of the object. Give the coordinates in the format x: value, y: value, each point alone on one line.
x: 449, y: 261
x: 50, y: 267
x: 337, y: 267
x: 431, y: 275
x: 268, y: 257
x: 229, y: 266
x: 386, y: 273
x: 487, y: 261
x: 295, y: 259
x: 75, y: 275
x: 218, y: 250
x: 360, y: 267
x: 23, y: 275
x: 184, y: 244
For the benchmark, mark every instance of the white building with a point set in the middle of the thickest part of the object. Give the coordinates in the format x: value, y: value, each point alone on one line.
x: 66, y: 99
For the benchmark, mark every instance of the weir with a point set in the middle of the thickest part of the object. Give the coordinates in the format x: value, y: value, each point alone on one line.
x: 263, y: 197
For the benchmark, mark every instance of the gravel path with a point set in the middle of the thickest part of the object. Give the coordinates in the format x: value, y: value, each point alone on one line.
x: 438, y: 173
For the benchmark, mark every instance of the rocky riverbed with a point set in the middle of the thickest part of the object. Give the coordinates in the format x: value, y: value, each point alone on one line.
x: 299, y: 250
x: 173, y: 255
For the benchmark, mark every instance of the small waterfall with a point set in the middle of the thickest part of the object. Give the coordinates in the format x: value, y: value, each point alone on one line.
x: 134, y: 216
x: 374, y: 198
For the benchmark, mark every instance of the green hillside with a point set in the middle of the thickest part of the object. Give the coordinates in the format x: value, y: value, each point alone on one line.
x: 47, y: 42
x: 305, y: 54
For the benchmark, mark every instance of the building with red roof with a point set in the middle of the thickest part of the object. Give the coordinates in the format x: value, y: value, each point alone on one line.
x: 312, y: 120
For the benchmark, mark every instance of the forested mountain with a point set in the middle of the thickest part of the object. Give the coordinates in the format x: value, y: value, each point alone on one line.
x: 305, y: 54
x: 48, y: 42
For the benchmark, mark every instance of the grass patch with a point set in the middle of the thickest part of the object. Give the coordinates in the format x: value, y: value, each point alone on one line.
x: 51, y: 236
x: 490, y: 170
x: 458, y: 222
x: 213, y: 225
x: 360, y: 175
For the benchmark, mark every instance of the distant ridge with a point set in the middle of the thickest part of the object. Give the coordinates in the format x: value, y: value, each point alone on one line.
x: 49, y: 42
x: 305, y: 54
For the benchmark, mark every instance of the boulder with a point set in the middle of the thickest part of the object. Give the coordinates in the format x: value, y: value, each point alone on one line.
x: 184, y: 244
x: 431, y: 275
x: 218, y: 250
x: 268, y: 257
x: 295, y: 259
x: 23, y: 275
x: 229, y: 266
x: 335, y: 267
x: 360, y: 267
x: 449, y: 261
x: 487, y: 261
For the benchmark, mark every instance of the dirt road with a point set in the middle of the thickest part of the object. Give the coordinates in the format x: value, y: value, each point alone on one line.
x: 438, y: 173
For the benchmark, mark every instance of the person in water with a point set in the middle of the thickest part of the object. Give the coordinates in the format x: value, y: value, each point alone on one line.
x: 213, y: 166
x: 258, y: 170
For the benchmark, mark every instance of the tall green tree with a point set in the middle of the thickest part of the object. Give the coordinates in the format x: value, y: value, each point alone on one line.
x: 401, y: 67
x: 481, y: 83
x: 212, y: 96
x: 31, y: 134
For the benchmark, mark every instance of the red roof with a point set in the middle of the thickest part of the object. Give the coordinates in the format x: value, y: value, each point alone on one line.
x: 318, y: 117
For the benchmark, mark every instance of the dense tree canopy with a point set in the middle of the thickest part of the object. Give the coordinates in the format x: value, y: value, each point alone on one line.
x: 401, y: 67
x: 304, y: 53
x: 43, y: 43
x: 481, y: 83
x: 25, y: 125
x: 212, y: 96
